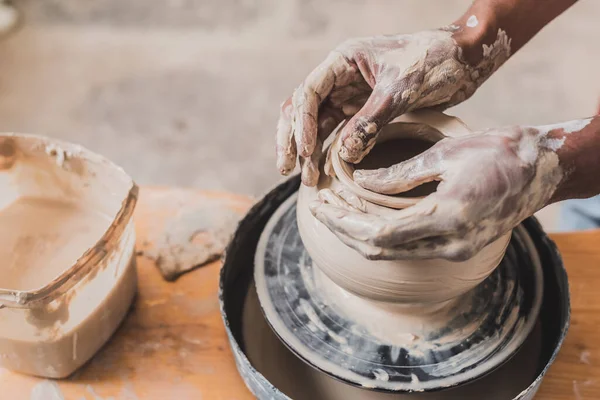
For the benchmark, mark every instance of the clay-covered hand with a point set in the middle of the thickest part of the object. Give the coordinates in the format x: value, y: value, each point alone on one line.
x: 371, y: 81
x: 489, y: 183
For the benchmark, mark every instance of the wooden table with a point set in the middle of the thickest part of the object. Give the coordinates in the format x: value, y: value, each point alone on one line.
x: 173, y: 345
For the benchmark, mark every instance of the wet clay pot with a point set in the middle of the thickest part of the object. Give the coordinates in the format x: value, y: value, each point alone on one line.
x: 270, y: 374
x: 401, y: 281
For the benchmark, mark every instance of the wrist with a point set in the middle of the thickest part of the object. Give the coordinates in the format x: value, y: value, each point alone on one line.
x: 576, y: 144
x: 476, y: 28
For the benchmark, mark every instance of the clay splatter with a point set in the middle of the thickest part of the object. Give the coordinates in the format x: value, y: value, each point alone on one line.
x: 46, y: 390
x: 197, y: 235
x: 472, y: 22
x: 584, y: 357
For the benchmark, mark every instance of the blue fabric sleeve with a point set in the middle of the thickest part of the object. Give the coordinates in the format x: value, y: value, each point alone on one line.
x: 581, y: 214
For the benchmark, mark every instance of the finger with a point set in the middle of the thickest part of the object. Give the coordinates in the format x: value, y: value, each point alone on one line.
x: 451, y: 247
x: 342, y: 199
x: 328, y: 167
x: 390, y: 99
x: 364, y: 233
x: 328, y: 196
x: 285, y: 147
x: 310, y: 166
x: 403, y: 226
x: 424, y: 220
x: 359, y: 135
x: 398, y: 178
x: 306, y: 101
x: 352, y: 199
x: 447, y: 247
x: 435, y: 247
x: 329, y: 119
x: 358, y: 225
x: 366, y: 250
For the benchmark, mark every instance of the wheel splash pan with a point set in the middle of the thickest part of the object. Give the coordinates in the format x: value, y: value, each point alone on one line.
x: 237, y: 276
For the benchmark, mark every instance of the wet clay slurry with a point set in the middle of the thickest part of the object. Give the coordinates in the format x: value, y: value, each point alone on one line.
x: 67, y: 269
x: 41, y: 238
x: 300, y: 381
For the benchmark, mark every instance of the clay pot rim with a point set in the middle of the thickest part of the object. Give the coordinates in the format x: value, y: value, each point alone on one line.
x: 445, y: 125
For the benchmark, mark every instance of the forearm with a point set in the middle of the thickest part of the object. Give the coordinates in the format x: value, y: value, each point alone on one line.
x: 520, y: 19
x: 577, y: 145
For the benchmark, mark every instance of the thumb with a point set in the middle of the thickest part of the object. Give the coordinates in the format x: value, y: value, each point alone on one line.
x: 360, y: 133
x: 398, y: 178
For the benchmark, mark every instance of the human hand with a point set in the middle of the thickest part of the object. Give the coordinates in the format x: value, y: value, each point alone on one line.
x: 489, y: 183
x: 371, y: 81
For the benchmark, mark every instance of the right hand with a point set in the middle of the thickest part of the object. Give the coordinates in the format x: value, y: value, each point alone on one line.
x: 489, y: 182
x: 372, y: 81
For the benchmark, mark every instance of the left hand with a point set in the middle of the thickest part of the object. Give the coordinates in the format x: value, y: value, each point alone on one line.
x: 489, y: 183
x: 369, y: 82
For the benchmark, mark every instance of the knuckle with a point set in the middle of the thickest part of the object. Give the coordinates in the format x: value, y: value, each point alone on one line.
x: 379, y: 234
x: 349, y: 46
x: 461, y: 252
x: 371, y: 253
x: 365, y: 127
x: 459, y: 223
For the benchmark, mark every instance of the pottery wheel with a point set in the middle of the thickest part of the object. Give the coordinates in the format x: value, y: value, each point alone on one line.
x: 373, y: 345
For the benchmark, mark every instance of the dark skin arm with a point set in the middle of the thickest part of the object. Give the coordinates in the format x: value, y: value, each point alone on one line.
x: 520, y: 19
x: 580, y: 158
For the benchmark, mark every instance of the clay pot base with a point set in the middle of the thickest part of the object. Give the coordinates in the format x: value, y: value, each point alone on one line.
x: 344, y: 335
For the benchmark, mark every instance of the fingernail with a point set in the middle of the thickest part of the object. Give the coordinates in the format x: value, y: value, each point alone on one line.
x: 351, y: 143
x: 285, y: 166
x: 346, y: 155
x: 349, y: 154
x: 314, y: 207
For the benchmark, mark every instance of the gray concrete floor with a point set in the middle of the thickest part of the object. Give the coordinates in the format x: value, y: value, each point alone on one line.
x: 186, y: 92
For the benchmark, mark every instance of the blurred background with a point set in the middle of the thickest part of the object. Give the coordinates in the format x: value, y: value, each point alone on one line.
x: 187, y: 92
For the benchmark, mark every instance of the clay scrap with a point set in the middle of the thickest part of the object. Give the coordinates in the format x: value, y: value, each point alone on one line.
x: 196, y: 235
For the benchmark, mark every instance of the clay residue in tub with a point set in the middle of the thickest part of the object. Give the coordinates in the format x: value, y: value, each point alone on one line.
x: 50, y: 316
x: 42, y: 238
x: 194, y: 237
x: 69, y: 160
x: 8, y: 153
x: 46, y: 390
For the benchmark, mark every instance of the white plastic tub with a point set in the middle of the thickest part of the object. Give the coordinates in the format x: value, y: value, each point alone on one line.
x: 67, y: 261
